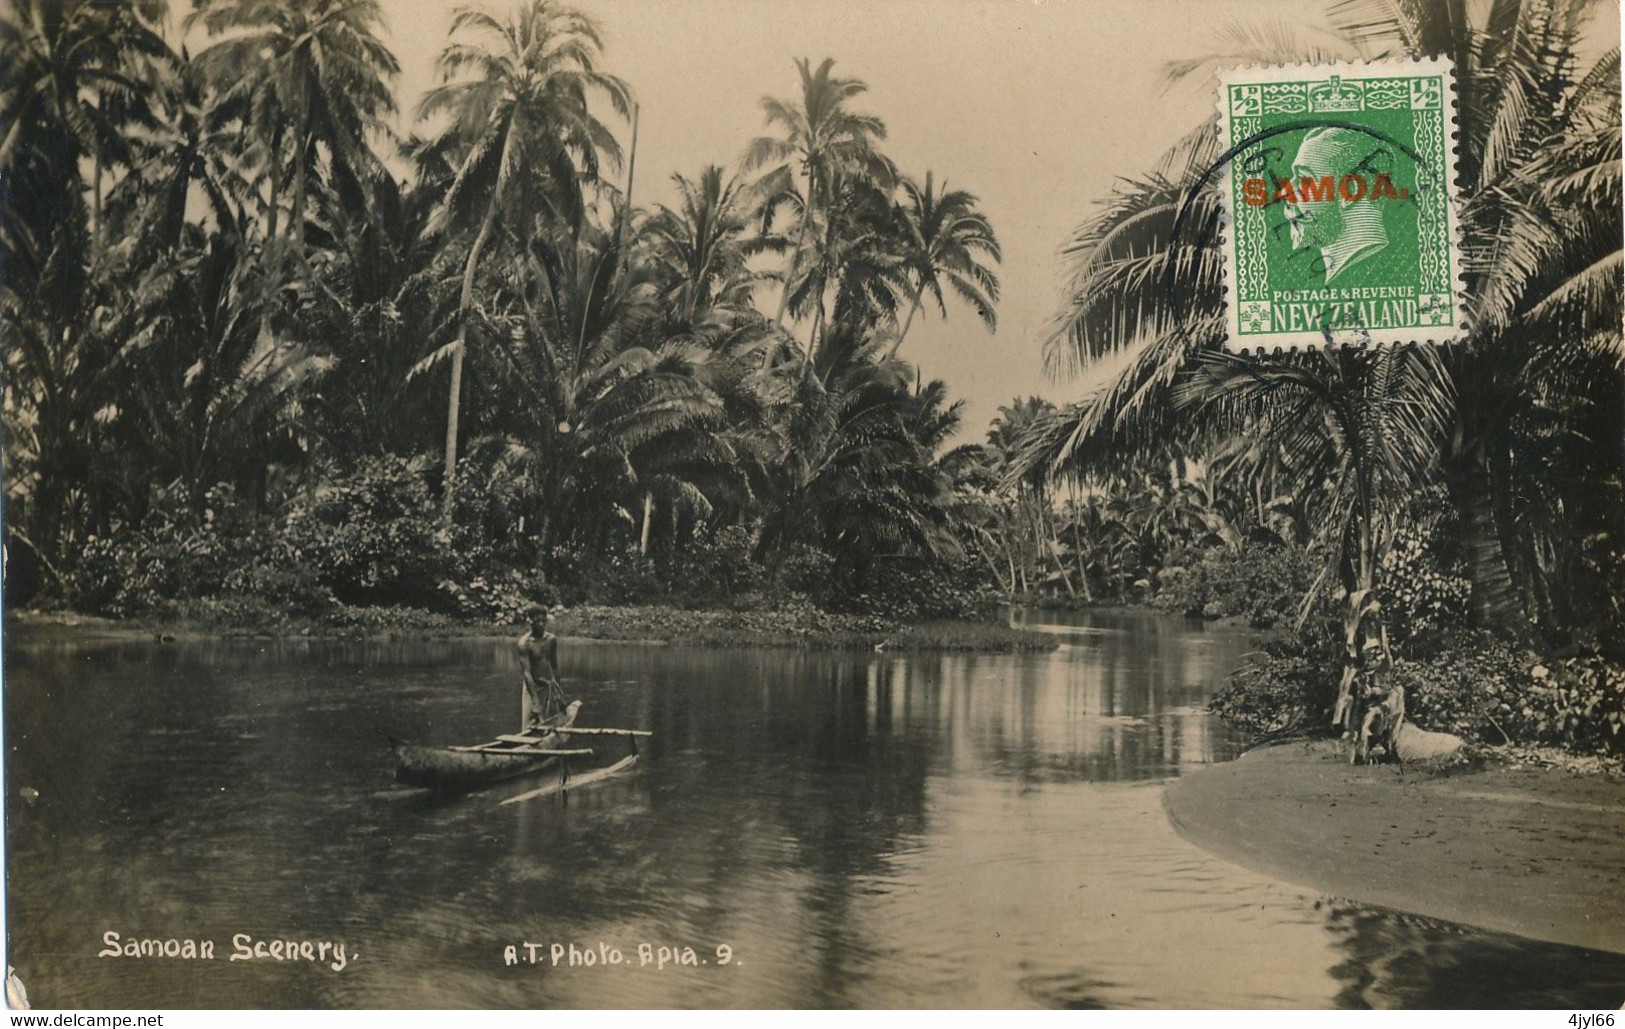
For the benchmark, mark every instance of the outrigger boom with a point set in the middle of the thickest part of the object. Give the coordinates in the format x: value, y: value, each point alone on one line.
x: 538, y: 751
x: 577, y: 731
x: 571, y: 730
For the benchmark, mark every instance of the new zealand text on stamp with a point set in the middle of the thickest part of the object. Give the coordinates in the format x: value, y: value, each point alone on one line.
x: 1340, y: 205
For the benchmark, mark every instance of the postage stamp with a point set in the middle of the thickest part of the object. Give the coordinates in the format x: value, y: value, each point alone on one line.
x: 1339, y: 200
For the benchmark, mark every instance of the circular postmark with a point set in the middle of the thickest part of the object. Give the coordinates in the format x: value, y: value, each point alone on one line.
x: 1331, y: 207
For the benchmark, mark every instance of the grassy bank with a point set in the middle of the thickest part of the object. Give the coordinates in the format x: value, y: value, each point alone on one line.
x: 801, y: 628
x: 816, y: 630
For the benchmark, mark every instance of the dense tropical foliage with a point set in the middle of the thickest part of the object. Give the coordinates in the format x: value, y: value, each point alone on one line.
x: 231, y: 299
x: 1513, y: 438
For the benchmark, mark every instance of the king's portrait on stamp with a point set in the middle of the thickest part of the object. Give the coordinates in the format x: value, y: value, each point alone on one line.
x: 1340, y: 193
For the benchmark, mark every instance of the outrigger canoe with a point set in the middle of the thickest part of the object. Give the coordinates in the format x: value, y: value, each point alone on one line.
x: 466, y: 768
x: 536, y: 749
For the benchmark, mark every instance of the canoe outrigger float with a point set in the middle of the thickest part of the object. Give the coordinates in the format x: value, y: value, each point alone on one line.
x: 536, y: 749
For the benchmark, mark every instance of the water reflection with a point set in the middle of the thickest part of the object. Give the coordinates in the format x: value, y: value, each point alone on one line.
x: 861, y: 829
x: 1394, y: 960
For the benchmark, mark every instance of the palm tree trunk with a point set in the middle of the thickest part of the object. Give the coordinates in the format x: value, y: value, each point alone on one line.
x: 270, y: 235
x: 96, y: 185
x: 790, y: 273
x: 1083, y: 565
x: 817, y: 329
x: 795, y: 255
x: 919, y: 296
x: 275, y: 170
x: 631, y: 171
x: 454, y: 403
x: 1054, y: 545
x: 1493, y: 601
x: 648, y: 514
x: 1349, y: 709
x: 795, y: 260
x: 298, y: 218
x: 986, y: 552
x: 96, y: 204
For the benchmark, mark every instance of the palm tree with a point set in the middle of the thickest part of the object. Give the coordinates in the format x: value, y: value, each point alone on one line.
x: 56, y: 58
x: 214, y: 390
x: 184, y: 152
x: 1028, y: 488
x: 1544, y: 258
x: 1357, y: 432
x: 524, y: 140
x: 313, y: 71
x: 604, y: 413
x: 703, y: 248
x: 825, y: 162
x: 1539, y: 242
x: 1534, y: 460
x: 852, y: 469
x: 74, y: 88
x: 946, y: 236
x: 383, y: 291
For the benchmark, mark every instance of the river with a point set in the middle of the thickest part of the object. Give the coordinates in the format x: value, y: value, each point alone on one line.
x: 845, y: 829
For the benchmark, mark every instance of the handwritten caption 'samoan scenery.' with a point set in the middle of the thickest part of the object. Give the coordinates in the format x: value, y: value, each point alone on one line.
x: 243, y: 948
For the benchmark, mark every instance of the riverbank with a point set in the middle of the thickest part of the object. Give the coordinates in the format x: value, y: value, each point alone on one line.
x: 807, y: 629
x: 1521, y: 848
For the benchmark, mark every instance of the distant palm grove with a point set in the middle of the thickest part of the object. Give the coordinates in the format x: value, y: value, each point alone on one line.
x: 262, y: 353
x: 265, y: 359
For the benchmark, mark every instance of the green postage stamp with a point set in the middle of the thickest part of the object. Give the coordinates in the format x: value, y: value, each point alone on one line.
x: 1339, y: 201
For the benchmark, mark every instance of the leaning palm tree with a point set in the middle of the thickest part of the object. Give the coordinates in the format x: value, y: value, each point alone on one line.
x: 946, y: 239
x: 523, y: 138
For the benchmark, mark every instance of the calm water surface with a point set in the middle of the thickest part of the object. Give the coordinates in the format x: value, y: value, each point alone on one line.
x: 860, y: 829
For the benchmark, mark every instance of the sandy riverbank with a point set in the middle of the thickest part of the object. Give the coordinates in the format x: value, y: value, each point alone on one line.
x: 1535, y: 851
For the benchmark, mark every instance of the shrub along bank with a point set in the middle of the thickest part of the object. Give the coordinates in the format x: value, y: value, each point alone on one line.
x: 1489, y: 688
x: 366, y: 553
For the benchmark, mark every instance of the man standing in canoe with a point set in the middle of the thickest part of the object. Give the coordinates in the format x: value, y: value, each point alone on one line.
x: 538, y: 662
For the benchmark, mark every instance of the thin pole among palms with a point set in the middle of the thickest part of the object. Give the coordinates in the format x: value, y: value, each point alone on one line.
x: 524, y: 139
x: 946, y: 238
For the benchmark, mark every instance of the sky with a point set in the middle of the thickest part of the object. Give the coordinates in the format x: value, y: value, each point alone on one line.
x: 1037, y: 108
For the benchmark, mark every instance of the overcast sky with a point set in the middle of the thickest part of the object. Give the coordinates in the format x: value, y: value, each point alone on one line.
x: 1035, y: 108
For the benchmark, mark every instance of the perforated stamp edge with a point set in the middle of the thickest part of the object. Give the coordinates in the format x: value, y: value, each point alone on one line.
x: 1291, y: 341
